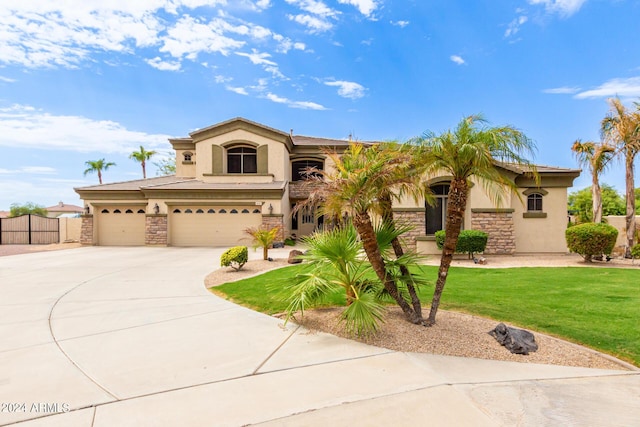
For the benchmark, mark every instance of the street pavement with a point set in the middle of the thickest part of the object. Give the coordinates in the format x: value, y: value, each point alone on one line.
x: 105, y: 336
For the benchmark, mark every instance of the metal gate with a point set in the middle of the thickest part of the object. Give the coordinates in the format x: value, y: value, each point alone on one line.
x: 29, y: 230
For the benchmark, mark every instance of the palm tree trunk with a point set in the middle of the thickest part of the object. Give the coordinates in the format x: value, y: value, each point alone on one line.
x: 99, y: 176
x: 387, y: 218
x: 631, y: 202
x: 144, y: 170
x: 596, y: 196
x: 455, y: 213
x: 367, y: 234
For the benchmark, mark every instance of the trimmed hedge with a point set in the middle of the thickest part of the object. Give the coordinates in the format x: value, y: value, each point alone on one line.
x: 235, y: 257
x: 635, y: 251
x: 591, y: 239
x: 469, y: 241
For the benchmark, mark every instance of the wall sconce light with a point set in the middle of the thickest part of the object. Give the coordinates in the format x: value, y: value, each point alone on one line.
x: 86, y: 210
x: 156, y: 209
x: 270, y: 209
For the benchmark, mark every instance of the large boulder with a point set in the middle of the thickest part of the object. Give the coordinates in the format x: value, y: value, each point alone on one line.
x: 517, y: 341
x: 294, y: 257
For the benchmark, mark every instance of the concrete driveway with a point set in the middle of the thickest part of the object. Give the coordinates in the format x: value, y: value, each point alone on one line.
x: 103, y: 336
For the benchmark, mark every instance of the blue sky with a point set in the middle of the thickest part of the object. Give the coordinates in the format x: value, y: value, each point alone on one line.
x: 88, y: 79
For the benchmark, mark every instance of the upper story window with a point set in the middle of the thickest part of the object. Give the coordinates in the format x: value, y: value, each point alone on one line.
x: 187, y: 156
x: 242, y: 160
x: 300, y: 169
x: 534, y: 202
x: 436, y: 214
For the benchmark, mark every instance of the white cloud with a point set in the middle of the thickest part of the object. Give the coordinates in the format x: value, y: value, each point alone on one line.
x: 306, y: 105
x: 400, y: 24
x: 314, y: 24
x: 514, y: 26
x: 315, y: 8
x: 158, y: 63
x: 457, y: 59
x: 350, y: 90
x: 238, y: 90
x: 263, y: 4
x: 257, y: 58
x: 7, y: 79
x: 629, y: 87
x: 562, y: 7
x: 26, y: 127
x: 562, y: 90
x: 35, y: 170
x: 366, y: 7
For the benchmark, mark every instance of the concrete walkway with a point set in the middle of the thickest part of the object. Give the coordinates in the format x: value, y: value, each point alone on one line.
x: 129, y: 337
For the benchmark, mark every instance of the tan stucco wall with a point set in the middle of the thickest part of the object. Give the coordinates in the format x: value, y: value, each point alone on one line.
x: 620, y: 223
x: 70, y: 229
x: 542, y: 234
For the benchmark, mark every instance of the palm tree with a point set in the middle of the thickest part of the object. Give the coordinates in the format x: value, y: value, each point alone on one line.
x: 622, y: 128
x: 470, y: 150
x: 142, y: 156
x: 97, y: 166
x: 595, y: 156
x: 263, y: 238
x: 360, y: 177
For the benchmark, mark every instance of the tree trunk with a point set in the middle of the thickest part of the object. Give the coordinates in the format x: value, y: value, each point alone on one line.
x: 265, y: 253
x: 144, y: 170
x: 99, y: 176
x: 367, y: 234
x: 456, y: 206
x: 631, y: 202
x: 387, y: 218
x: 596, y: 196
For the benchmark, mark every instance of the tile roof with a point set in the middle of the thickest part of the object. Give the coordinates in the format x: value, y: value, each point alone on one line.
x: 171, y: 182
x: 62, y: 207
x: 132, y: 185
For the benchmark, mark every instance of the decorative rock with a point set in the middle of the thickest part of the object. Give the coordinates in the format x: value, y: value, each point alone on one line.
x: 293, y: 257
x: 517, y: 341
x: 278, y: 245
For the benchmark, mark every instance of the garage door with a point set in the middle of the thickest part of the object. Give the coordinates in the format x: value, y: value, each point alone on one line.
x: 121, y: 226
x: 212, y: 226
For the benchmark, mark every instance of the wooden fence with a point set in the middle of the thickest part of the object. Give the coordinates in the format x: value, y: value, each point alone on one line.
x: 29, y: 230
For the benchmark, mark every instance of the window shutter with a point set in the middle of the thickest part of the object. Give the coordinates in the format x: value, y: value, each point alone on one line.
x: 216, y: 161
x: 263, y: 159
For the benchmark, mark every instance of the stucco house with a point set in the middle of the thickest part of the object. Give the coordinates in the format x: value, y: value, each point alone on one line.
x: 238, y: 174
x: 63, y: 209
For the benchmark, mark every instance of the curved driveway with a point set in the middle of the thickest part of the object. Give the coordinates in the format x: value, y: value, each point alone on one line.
x: 102, y: 336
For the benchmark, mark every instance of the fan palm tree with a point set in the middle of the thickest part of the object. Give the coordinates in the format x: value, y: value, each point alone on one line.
x: 622, y: 128
x: 142, y: 156
x: 97, y: 166
x: 470, y: 150
x: 360, y: 177
x: 595, y: 156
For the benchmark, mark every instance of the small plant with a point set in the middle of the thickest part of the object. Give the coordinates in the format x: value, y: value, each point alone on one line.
x: 289, y: 241
x: 635, y: 252
x: 235, y: 257
x: 469, y: 241
x: 590, y: 239
x: 263, y: 238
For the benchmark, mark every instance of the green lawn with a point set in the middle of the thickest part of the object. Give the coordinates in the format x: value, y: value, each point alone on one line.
x: 597, y: 307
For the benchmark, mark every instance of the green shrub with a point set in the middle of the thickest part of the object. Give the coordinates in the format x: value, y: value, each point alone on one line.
x: 469, y: 241
x: 591, y: 239
x: 235, y: 257
x: 635, y: 251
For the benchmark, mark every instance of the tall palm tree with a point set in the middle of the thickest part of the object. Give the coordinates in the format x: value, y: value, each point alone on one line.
x: 142, y: 156
x: 595, y: 156
x: 471, y: 150
x: 360, y: 176
x: 622, y: 128
x: 97, y: 166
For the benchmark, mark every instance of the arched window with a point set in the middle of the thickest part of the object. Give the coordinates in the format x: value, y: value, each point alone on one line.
x: 534, y: 202
x: 242, y: 160
x: 436, y: 214
x: 303, y: 169
x: 187, y: 156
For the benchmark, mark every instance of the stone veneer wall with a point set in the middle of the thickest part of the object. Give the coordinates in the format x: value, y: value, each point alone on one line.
x: 274, y: 220
x: 499, y: 225
x: 415, y: 218
x: 155, y: 230
x: 86, y: 230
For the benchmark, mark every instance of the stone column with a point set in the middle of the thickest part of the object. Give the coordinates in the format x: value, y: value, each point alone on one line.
x: 274, y: 220
x: 498, y: 224
x: 155, y: 230
x: 86, y: 230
